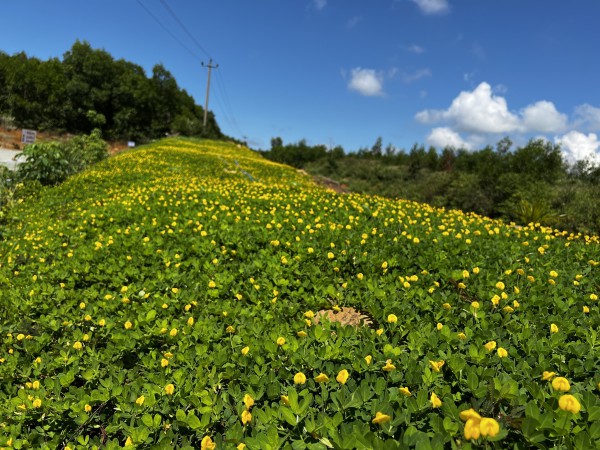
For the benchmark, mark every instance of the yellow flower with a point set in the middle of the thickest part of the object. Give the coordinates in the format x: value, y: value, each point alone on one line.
x: 37, y: 403
x: 230, y: 329
x: 561, y: 384
x: 128, y: 325
x: 299, y: 378
x: 435, y: 400
x: 384, y: 265
x: 439, y: 326
x: 475, y: 270
x: 330, y: 255
x: 405, y: 391
x: 280, y: 341
x: 248, y: 401
x: 392, y: 318
x: 77, y: 345
x: 102, y: 322
x: 446, y: 306
x: 285, y: 400
x: 359, y: 276
x: 495, y: 300
x: 87, y: 408
x: 321, y: 378
x: 212, y: 284
x: 547, y: 376
x: 508, y: 309
x: 490, y: 346
x: 207, y: 444
x: 164, y: 362
x: 301, y: 333
x: 241, y: 446
x: 128, y: 442
x: 465, y: 274
x: 502, y: 353
x: 368, y: 359
x: 500, y: 285
x: 190, y: 321
x: 569, y: 403
x: 593, y: 297
x: 379, y: 332
x: 469, y: 414
x: 489, y: 427
x: 462, y: 336
x: 436, y: 365
x: 173, y: 332
x: 553, y: 328
x: 475, y: 305
x: 309, y: 314
x: 342, y: 376
x: 245, y: 351
x: 246, y: 417
x: 380, y: 418
x: 140, y: 400
x: 389, y: 366
x: 586, y: 310
x: 462, y: 286
x: 35, y: 385
x: 553, y: 274
x: 169, y: 389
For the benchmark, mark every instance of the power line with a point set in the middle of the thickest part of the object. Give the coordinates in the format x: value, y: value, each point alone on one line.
x: 168, y: 8
x: 169, y: 31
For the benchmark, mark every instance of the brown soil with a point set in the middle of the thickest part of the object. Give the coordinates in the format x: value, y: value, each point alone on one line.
x: 347, y: 316
x: 11, y: 139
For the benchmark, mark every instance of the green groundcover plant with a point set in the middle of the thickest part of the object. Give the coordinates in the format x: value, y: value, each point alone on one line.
x: 169, y: 297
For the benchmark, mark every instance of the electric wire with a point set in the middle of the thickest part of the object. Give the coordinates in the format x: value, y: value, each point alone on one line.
x: 196, y: 56
x: 222, y: 97
x: 168, y: 8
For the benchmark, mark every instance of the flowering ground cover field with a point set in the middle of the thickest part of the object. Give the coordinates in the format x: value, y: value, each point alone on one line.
x: 169, y: 296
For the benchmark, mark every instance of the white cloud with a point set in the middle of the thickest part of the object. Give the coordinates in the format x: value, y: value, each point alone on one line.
x: 446, y: 137
x: 588, y: 117
x: 320, y: 4
x: 478, y: 111
x: 410, y: 77
x: 577, y: 146
x: 366, y: 82
x: 433, y: 6
x: 353, y: 21
x: 543, y: 117
x: 414, y: 48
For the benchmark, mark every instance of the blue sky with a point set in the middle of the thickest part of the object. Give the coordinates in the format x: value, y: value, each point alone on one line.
x: 439, y: 72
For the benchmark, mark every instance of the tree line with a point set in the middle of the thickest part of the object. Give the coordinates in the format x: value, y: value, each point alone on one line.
x: 529, y: 183
x: 89, y: 89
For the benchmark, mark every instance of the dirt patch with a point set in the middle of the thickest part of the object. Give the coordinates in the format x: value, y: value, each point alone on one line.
x: 346, y: 316
x: 328, y: 183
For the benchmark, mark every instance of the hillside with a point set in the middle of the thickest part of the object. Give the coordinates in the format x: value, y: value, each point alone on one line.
x: 170, y: 297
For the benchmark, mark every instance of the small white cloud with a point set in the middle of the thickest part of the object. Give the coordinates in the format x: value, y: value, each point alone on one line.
x: 320, y: 4
x: 500, y: 89
x: 543, y: 117
x: 366, y: 82
x: 410, y: 77
x: 353, y: 21
x: 432, y: 6
x: 577, y: 146
x: 414, y: 48
x: 587, y: 117
x: 446, y: 137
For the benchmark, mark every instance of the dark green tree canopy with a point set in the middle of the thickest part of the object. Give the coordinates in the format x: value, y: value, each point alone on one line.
x: 88, y: 88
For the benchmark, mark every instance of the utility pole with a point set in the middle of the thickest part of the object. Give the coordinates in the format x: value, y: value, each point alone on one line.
x: 210, y: 67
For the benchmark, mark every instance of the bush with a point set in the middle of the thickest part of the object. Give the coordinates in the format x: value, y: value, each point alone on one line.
x: 52, y: 162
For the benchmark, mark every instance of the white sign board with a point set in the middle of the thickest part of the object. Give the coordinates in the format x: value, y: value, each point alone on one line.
x: 28, y: 136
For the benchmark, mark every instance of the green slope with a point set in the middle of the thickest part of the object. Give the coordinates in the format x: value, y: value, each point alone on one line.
x: 142, y: 301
